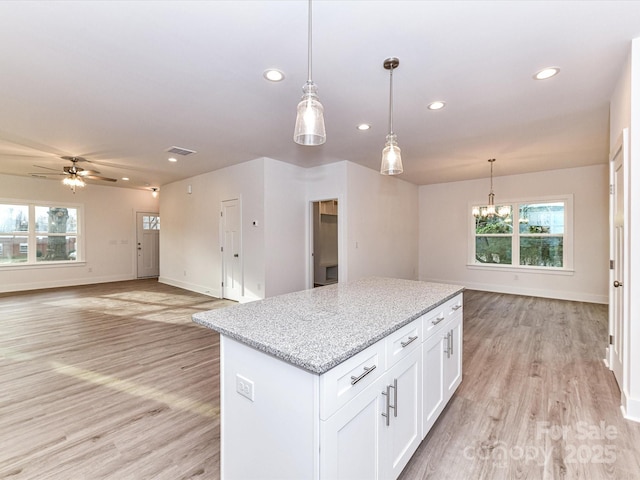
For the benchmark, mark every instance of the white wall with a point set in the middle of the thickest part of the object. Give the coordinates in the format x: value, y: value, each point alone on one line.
x: 382, y: 237
x: 284, y: 223
x: 190, y: 232
x: 110, y: 233
x: 444, y: 233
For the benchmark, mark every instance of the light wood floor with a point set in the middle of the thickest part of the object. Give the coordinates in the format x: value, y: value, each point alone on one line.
x: 115, y: 382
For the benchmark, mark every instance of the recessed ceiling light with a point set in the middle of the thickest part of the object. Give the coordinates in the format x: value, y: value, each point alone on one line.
x: 126, y: 179
x: 273, y: 75
x: 172, y: 159
x: 546, y: 73
x: 437, y: 105
x: 363, y: 126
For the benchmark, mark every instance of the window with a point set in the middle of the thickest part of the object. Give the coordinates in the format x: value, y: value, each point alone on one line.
x: 39, y: 234
x: 524, y: 234
x: 150, y: 222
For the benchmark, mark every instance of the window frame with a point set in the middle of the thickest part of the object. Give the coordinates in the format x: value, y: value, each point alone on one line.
x: 567, y: 251
x: 32, y: 234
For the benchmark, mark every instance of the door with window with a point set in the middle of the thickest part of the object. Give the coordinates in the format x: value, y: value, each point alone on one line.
x: 148, y: 244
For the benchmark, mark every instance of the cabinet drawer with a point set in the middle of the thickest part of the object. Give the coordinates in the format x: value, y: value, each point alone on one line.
x: 403, y: 341
x: 435, y: 319
x: 346, y: 380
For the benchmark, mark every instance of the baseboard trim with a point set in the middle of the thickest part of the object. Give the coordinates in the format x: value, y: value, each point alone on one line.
x: 71, y: 282
x: 203, y: 289
x: 532, y: 292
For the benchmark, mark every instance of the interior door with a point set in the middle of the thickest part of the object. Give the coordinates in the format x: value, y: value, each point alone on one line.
x: 232, y: 282
x: 148, y: 244
x: 616, y: 295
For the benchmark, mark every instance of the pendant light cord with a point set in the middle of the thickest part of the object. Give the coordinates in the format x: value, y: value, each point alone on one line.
x: 391, y: 101
x: 309, y: 80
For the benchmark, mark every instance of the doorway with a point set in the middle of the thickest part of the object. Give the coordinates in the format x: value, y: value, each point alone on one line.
x: 231, y: 246
x: 148, y: 244
x: 324, y: 234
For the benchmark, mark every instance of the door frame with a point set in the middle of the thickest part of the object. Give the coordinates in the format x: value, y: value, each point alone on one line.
x: 621, y: 148
x: 342, y: 250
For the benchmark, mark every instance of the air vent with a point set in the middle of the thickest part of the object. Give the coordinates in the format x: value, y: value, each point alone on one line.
x: 181, y: 151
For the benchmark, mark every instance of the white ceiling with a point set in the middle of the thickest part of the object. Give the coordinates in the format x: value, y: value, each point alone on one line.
x: 121, y: 82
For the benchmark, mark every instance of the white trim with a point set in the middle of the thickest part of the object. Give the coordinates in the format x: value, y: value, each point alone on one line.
x: 521, y: 269
x: 71, y: 282
x: 533, y: 292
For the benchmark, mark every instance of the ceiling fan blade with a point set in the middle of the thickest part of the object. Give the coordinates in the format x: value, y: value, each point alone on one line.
x: 84, y: 173
x: 96, y: 177
x: 47, y: 168
x: 44, y: 174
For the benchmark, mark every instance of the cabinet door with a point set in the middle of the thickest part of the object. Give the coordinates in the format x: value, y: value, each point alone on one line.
x: 433, y: 358
x: 405, y: 420
x: 453, y: 362
x: 351, y: 438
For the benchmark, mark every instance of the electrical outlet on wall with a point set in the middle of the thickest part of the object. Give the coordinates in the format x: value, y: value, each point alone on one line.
x: 244, y: 386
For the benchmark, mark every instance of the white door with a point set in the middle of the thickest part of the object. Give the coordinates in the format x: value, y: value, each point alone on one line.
x: 616, y: 295
x: 231, y: 251
x: 148, y: 244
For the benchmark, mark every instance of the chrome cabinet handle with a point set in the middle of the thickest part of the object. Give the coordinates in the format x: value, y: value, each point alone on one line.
x: 437, y: 320
x: 411, y: 339
x: 451, y: 343
x: 447, y: 349
x: 617, y: 284
x: 456, y: 307
x: 367, y: 371
x: 395, y: 397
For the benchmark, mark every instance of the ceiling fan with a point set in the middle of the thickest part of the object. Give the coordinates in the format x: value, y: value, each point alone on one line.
x: 74, y: 175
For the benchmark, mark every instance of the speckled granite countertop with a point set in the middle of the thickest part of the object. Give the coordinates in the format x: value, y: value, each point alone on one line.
x: 318, y: 329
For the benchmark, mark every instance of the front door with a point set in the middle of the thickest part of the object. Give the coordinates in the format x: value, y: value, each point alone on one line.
x: 616, y: 320
x: 232, y: 285
x: 148, y: 244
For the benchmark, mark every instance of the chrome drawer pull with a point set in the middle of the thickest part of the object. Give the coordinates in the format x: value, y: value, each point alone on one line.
x: 456, y: 307
x: 367, y: 371
x: 411, y: 339
x: 437, y: 320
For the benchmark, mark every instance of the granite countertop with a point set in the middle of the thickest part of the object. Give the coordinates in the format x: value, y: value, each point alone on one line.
x: 318, y: 329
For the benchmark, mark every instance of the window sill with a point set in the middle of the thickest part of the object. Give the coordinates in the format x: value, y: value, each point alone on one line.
x: 27, y: 266
x: 521, y: 269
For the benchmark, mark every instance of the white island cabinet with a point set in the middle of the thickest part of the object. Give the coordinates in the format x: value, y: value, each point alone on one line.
x: 339, y: 382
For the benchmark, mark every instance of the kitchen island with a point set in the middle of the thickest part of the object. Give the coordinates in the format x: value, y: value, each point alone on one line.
x: 342, y: 381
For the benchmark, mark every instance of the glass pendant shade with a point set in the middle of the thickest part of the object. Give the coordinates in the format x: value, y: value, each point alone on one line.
x: 391, y: 159
x: 309, y: 129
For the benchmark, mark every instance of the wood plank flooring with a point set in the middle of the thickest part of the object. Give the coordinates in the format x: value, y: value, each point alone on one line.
x: 108, y: 381
x: 115, y: 382
x: 536, y: 401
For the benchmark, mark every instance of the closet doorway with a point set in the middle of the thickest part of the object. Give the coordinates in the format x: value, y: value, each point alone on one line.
x: 324, y: 232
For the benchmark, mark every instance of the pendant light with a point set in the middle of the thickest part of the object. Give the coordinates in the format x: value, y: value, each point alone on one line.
x: 309, y: 129
x: 391, y: 160
x: 491, y: 207
x: 489, y: 210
